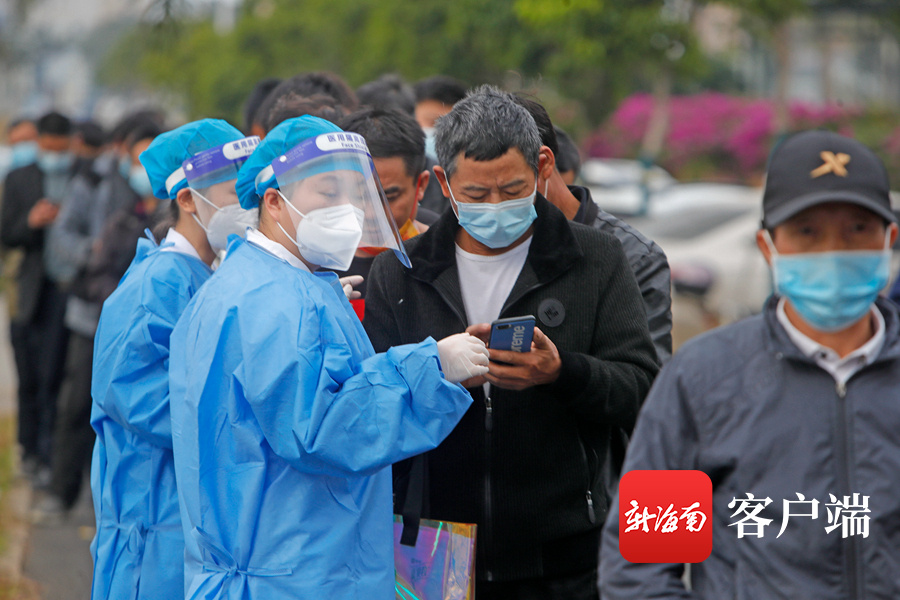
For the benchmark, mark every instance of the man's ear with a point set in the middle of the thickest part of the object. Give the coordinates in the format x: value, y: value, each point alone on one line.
x: 892, y: 229
x: 185, y: 200
x: 546, y: 162
x: 763, y: 246
x: 442, y: 179
x: 422, y: 183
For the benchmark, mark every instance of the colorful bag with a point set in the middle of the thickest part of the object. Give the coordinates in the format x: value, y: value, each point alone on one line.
x: 441, y: 564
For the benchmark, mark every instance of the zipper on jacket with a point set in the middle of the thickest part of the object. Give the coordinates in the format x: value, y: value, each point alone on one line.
x: 488, y: 496
x: 843, y: 460
x: 589, y: 495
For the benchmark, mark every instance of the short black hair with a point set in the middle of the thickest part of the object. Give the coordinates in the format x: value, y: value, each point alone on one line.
x: 257, y: 96
x: 91, y: 133
x: 388, y: 92
x: 542, y: 120
x: 129, y: 122
x: 54, y: 123
x: 568, y: 158
x: 390, y: 133
x: 145, y: 130
x: 311, y: 84
x: 292, y: 105
x: 442, y: 88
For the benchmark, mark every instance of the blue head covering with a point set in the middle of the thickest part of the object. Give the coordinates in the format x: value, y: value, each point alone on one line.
x: 166, y: 153
x: 276, y: 143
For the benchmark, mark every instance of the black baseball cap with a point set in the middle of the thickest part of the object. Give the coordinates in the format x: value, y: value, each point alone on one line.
x: 815, y: 167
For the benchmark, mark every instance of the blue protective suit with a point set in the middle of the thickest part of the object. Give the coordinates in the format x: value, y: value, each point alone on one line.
x: 139, y: 546
x: 285, y: 423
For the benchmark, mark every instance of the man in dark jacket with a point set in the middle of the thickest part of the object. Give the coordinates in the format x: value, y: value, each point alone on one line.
x: 97, y: 191
x: 798, y: 407
x: 31, y: 198
x: 646, y: 258
x: 524, y: 462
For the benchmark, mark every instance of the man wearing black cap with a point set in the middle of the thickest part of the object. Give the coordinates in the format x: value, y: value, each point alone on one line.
x: 798, y: 406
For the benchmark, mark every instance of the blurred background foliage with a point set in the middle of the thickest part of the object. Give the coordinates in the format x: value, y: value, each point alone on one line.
x: 626, y: 78
x: 589, y: 50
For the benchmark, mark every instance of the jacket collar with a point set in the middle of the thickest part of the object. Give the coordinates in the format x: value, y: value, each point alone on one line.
x: 588, y: 211
x: 553, y: 246
x: 779, y: 341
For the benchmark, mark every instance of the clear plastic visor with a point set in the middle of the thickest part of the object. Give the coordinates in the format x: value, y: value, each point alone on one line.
x: 211, y: 175
x: 214, y: 179
x: 216, y: 165
x: 315, y: 178
x: 216, y: 197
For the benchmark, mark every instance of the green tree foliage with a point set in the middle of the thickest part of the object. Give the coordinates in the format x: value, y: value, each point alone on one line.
x: 593, y: 51
x: 600, y: 51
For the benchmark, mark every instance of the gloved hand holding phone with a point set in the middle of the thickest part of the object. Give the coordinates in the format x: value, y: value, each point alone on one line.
x: 462, y: 357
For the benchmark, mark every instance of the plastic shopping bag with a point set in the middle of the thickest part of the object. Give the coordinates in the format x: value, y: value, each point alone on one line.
x: 441, y: 564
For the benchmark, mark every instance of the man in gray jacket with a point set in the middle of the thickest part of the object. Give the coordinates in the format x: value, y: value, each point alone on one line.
x: 798, y: 406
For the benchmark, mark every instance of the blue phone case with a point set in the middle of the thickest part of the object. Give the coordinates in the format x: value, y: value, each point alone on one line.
x: 513, y: 333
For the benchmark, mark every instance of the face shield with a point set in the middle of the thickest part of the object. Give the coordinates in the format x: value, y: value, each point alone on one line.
x: 210, y: 176
x: 330, y: 183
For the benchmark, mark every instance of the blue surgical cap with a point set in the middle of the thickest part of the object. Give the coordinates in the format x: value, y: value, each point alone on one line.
x: 166, y: 153
x: 277, y: 142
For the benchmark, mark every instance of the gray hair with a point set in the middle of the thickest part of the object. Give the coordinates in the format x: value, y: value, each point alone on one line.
x: 484, y: 126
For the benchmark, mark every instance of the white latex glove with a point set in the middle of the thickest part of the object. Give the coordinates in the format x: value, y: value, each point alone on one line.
x: 462, y: 356
x: 348, y: 283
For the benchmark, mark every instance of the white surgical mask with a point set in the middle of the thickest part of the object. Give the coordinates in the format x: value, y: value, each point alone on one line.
x: 227, y: 220
x: 328, y: 237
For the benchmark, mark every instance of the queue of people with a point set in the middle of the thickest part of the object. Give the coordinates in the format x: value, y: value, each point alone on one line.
x: 299, y: 345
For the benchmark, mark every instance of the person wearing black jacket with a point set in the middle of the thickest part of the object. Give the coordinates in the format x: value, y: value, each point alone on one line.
x: 525, y: 461
x: 31, y: 197
x: 646, y: 258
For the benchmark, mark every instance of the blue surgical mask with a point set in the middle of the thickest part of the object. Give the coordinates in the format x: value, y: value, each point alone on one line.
x: 23, y: 153
x: 496, y: 225
x: 140, y: 181
x: 430, y: 150
x: 54, y: 163
x: 831, y: 290
x: 125, y: 166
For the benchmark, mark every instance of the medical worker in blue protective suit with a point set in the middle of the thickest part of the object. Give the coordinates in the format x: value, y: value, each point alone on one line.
x: 284, y: 420
x: 139, y: 546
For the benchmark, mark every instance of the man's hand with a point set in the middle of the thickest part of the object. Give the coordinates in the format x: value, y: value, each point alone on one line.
x: 524, y: 369
x: 42, y: 214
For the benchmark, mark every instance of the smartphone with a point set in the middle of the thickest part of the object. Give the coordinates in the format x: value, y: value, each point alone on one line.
x: 513, y: 333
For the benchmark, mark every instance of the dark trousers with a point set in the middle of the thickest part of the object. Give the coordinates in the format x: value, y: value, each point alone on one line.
x: 581, y: 586
x: 39, y: 348
x: 73, y: 439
